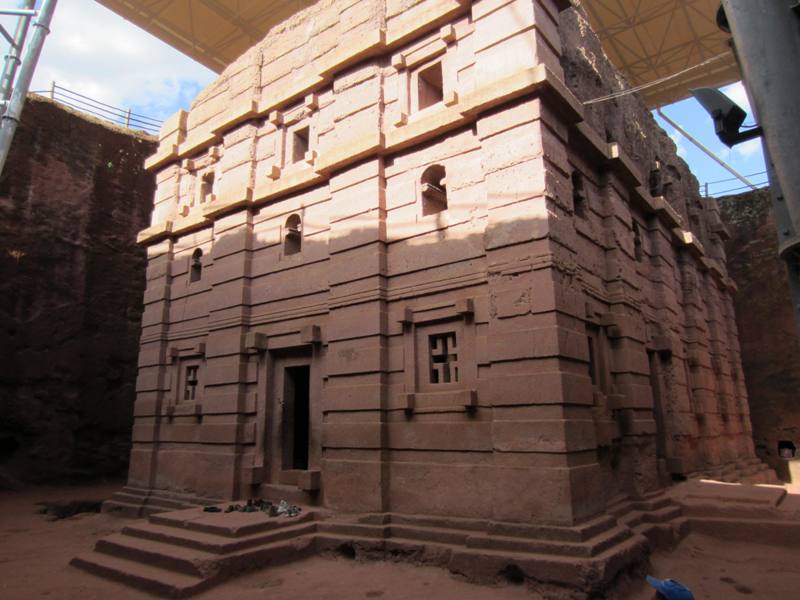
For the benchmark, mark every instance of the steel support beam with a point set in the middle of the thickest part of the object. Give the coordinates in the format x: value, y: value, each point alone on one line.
x: 10, y: 120
x: 766, y: 35
x: 12, y: 60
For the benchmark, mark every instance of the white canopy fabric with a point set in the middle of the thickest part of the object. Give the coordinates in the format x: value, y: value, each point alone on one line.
x: 649, y: 40
x: 653, y: 40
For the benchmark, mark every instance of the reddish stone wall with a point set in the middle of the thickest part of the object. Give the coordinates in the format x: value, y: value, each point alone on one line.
x: 767, y: 331
x: 678, y: 293
x: 72, y: 197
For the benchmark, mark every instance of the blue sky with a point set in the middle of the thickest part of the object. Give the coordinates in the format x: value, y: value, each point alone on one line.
x: 746, y: 158
x: 93, y: 51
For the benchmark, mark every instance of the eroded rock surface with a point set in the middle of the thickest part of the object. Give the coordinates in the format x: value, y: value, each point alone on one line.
x: 72, y: 197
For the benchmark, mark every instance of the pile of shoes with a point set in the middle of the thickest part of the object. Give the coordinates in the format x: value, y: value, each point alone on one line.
x: 260, y: 505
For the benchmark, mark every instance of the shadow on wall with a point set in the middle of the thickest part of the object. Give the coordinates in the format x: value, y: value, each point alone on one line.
x: 72, y: 199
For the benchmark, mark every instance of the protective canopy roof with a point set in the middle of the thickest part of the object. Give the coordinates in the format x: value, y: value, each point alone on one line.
x: 651, y: 40
x: 213, y: 32
x: 647, y: 39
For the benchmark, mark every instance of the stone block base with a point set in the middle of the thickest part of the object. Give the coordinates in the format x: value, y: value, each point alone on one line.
x: 183, y: 552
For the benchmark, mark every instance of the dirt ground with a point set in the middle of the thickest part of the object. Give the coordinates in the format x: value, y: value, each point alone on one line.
x: 35, y: 551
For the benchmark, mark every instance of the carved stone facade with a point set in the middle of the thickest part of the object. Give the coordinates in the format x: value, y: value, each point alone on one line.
x: 397, y: 266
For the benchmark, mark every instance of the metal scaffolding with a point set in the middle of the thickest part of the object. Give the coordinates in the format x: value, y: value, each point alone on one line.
x: 17, y: 74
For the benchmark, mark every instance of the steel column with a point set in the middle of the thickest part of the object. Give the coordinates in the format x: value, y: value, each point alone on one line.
x: 10, y: 119
x: 766, y: 34
x: 12, y: 58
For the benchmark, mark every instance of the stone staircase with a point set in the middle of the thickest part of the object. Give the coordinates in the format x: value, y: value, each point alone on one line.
x: 761, y: 513
x: 180, y: 553
x: 655, y: 516
x: 133, y: 502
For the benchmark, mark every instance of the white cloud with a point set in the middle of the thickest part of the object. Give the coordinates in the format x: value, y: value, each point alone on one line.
x: 95, y: 52
x: 748, y: 148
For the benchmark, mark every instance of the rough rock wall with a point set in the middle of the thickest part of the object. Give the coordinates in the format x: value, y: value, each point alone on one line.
x: 626, y: 120
x: 767, y: 332
x: 72, y: 197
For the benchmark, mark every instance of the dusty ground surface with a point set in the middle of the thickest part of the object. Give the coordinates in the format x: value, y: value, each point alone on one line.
x: 35, y: 552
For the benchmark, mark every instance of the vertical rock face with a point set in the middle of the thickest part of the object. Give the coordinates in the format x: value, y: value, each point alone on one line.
x: 767, y: 331
x: 72, y: 197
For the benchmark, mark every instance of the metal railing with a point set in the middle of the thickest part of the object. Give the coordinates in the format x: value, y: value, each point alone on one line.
x: 709, y: 190
x: 119, y: 116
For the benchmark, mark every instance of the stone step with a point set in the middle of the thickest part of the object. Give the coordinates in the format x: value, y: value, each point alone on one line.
x: 191, y: 499
x: 188, y: 561
x: 213, y: 543
x: 486, y: 564
x: 148, y: 578
x: 437, y: 522
x: 429, y: 534
x: 575, y: 533
x: 157, y: 501
x: 586, y: 549
x: 664, y: 534
x: 632, y: 518
x: 662, y: 515
x: 232, y: 525
x: 352, y: 529
x: 774, y: 532
x: 605, y: 537
x: 622, y: 507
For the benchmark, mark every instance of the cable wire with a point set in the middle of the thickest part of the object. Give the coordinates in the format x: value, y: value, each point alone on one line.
x: 733, y: 178
x: 653, y: 83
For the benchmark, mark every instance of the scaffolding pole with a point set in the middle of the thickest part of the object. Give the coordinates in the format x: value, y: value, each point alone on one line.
x: 10, y: 119
x: 12, y: 60
x: 767, y: 41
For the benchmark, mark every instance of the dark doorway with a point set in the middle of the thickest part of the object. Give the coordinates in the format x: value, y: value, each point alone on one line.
x: 296, y: 417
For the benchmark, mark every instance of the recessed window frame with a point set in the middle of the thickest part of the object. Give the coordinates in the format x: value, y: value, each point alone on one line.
x: 428, y: 85
x: 300, y: 142
x: 206, y: 188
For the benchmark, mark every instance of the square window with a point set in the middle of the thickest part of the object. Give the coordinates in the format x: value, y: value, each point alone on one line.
x: 300, y: 144
x: 430, y: 86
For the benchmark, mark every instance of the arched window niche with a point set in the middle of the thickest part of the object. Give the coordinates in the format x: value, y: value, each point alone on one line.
x: 293, y: 235
x: 196, y: 266
x: 434, y: 190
